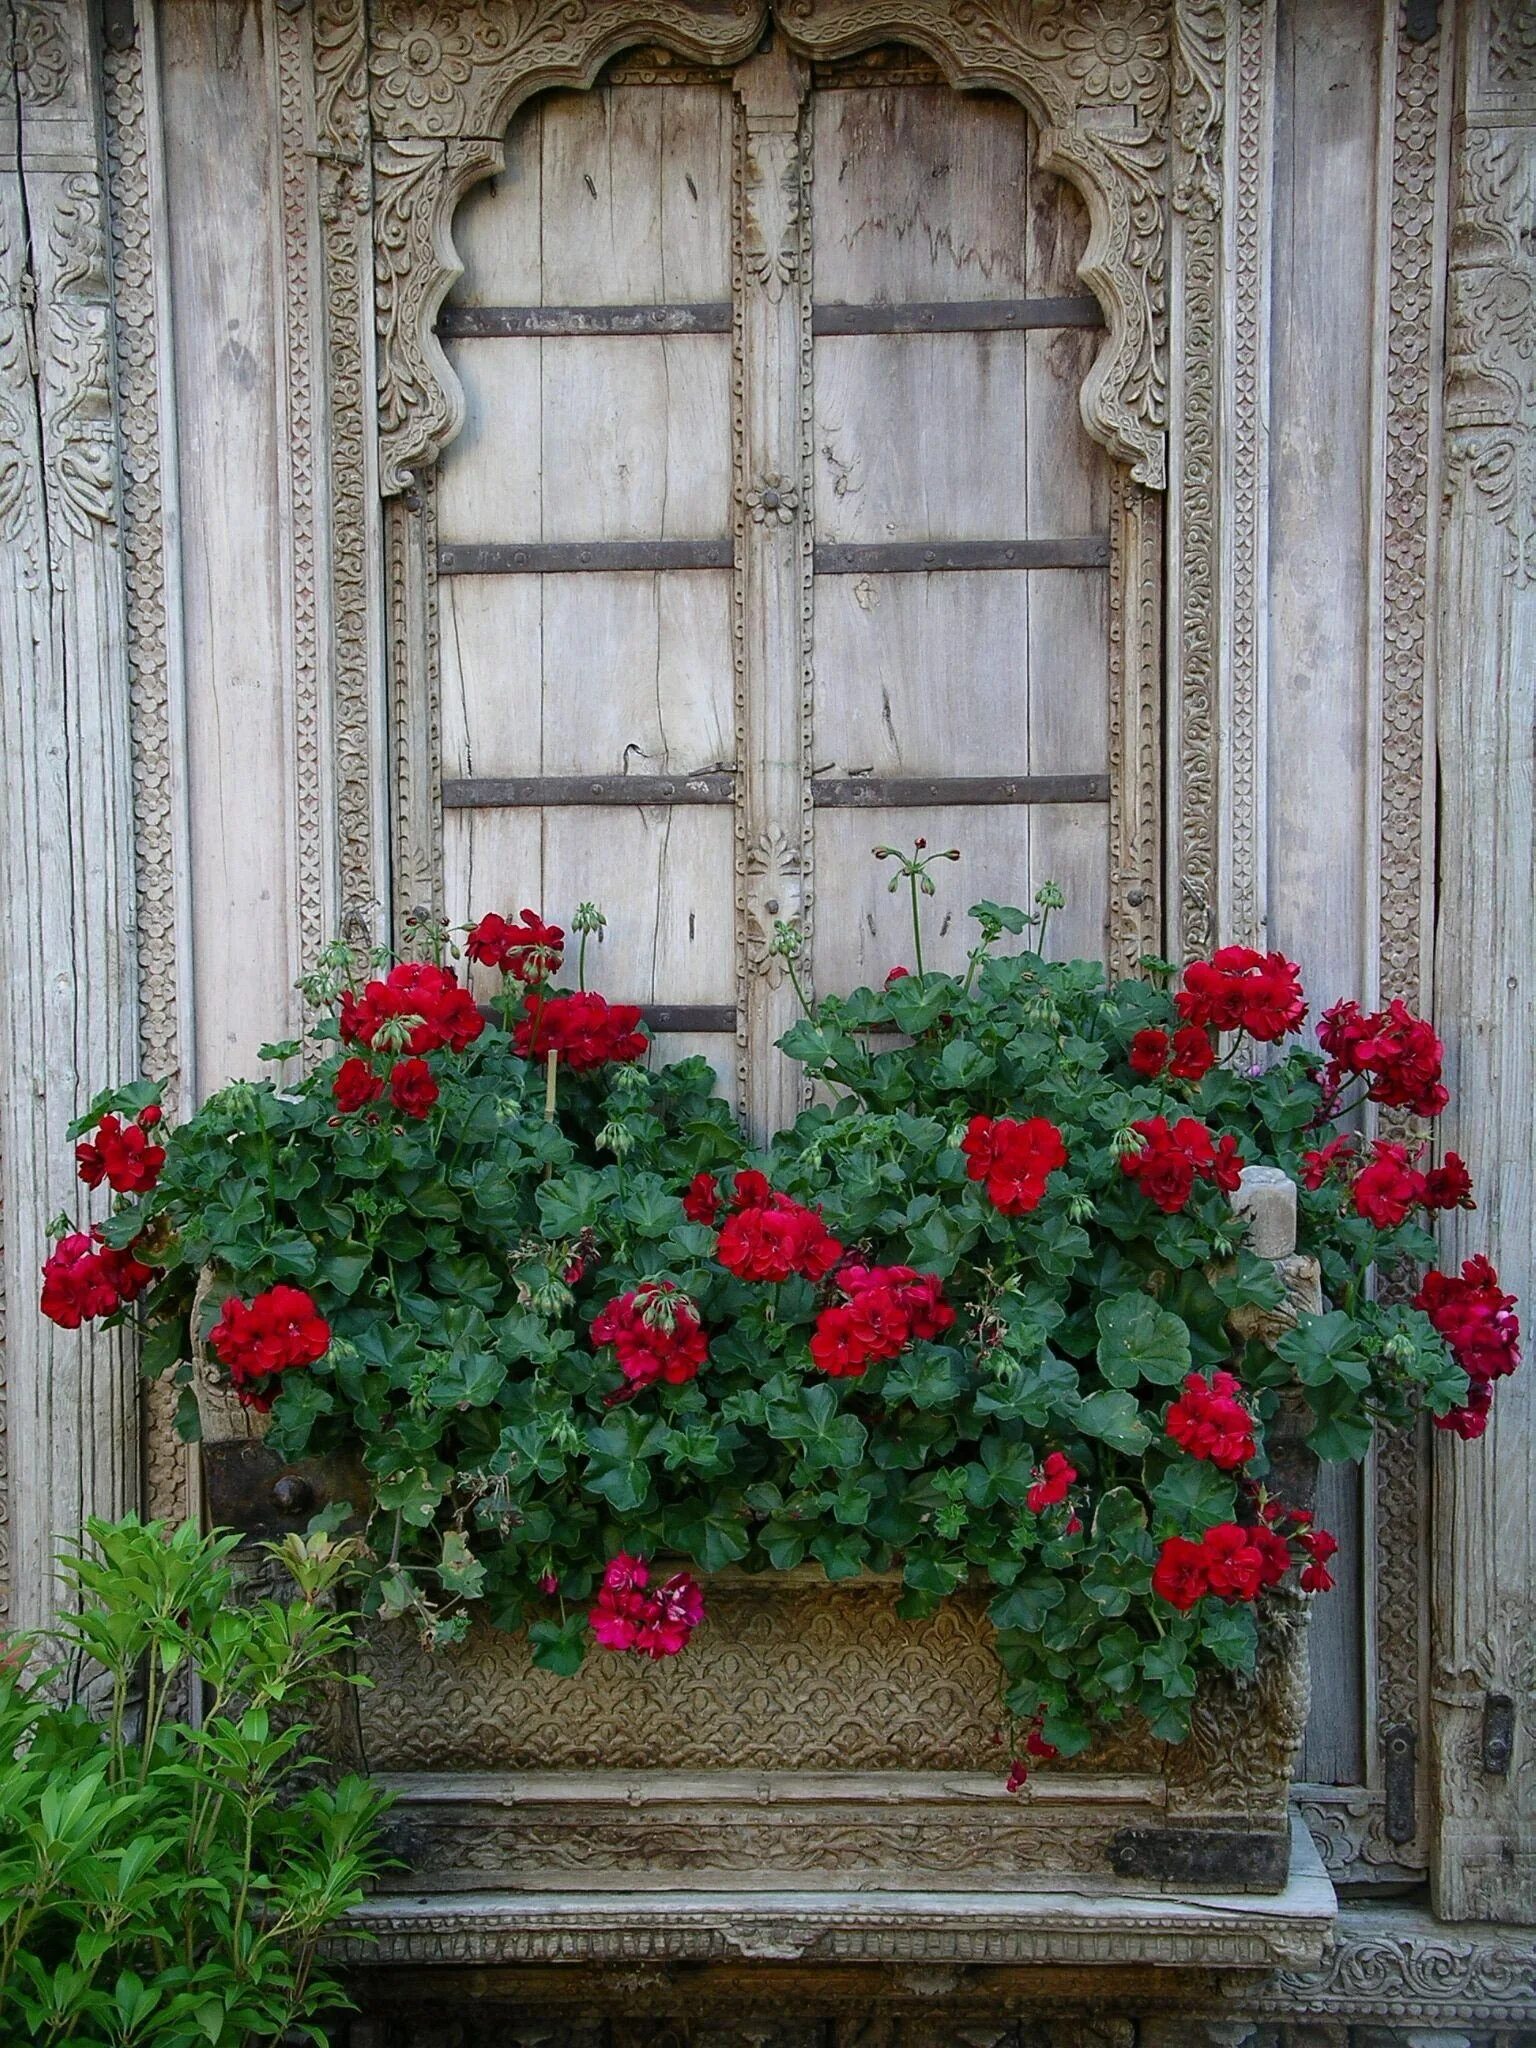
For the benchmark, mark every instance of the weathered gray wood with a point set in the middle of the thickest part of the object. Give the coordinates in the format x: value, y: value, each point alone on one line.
x: 1485, y: 974
x: 68, y: 1424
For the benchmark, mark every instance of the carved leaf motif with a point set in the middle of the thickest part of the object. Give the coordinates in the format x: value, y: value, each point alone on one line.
x: 774, y: 892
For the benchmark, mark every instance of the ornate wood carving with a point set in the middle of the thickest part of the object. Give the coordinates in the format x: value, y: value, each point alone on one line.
x: 151, y: 579
x: 771, y: 516
x: 1485, y: 1552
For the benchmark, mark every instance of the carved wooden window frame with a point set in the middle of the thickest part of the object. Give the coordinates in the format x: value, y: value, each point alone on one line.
x: 1158, y: 115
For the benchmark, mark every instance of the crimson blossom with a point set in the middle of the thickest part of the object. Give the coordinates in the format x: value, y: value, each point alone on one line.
x: 84, y: 1277
x: 770, y: 1235
x: 1477, y: 1320
x: 529, y: 949
x: 1172, y: 1159
x: 884, y: 1310
x: 122, y: 1155
x: 655, y: 1333
x: 1209, y: 1421
x: 275, y: 1332
x: 584, y: 1030
x: 426, y: 998
x: 630, y: 1613
x: 1239, y: 989
x: 1013, y: 1160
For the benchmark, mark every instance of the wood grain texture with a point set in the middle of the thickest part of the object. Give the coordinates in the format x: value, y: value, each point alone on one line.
x: 68, y: 1017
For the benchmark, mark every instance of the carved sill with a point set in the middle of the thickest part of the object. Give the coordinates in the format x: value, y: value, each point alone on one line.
x: 1291, y: 1929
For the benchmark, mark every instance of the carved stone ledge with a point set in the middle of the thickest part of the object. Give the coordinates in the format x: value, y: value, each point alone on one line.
x: 1077, y: 1929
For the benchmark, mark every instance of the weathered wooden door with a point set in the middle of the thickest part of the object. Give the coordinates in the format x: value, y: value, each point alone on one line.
x: 773, y: 534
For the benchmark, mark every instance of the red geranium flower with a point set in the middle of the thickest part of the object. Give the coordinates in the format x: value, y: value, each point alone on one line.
x: 655, y: 1334
x: 1334, y: 1157
x: 356, y: 1085
x: 1476, y: 1319
x: 1193, y: 1054
x: 1239, y: 989
x: 1320, y: 1546
x: 1181, y: 1575
x: 122, y: 1156
x: 529, y: 949
x: 1448, y: 1185
x: 441, y: 1013
x: 586, y: 1030
x: 1400, y: 1052
x: 1148, y: 1053
x: 1172, y: 1158
x: 1471, y: 1418
x: 1209, y: 1421
x: 1388, y: 1189
x: 886, y: 1308
x: 84, y: 1277
x: 1235, y: 1562
x: 1013, y: 1160
x: 770, y: 1238
x: 411, y: 1087
x: 1054, y: 1480
x: 701, y: 1204
x: 275, y: 1332
x: 631, y: 1614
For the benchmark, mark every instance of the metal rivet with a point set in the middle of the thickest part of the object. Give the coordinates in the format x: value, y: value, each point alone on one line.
x: 772, y: 906
x: 292, y: 1494
x: 771, y: 500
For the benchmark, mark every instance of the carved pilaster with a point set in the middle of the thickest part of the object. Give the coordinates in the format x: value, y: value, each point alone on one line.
x: 1484, y: 1674
x: 771, y: 378
x: 66, y: 841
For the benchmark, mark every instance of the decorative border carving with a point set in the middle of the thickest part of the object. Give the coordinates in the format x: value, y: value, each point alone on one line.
x: 345, y: 196
x: 168, y: 1466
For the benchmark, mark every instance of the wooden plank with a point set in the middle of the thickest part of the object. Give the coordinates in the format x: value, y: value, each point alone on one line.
x: 1320, y: 687
x: 598, y: 676
x: 917, y: 195
x: 580, y: 557
x: 904, y: 558
x: 632, y: 440
x: 219, y: 130
x: 961, y: 316
x: 638, y: 181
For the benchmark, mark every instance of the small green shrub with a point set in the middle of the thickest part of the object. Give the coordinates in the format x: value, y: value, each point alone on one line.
x: 163, y: 1883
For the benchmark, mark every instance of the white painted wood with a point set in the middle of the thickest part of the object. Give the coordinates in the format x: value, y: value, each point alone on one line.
x: 68, y: 1427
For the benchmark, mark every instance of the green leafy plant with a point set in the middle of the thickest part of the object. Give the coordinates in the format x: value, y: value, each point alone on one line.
x: 165, y: 1882
x: 985, y: 1314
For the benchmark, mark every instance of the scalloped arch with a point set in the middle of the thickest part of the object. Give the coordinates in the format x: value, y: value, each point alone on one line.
x: 444, y: 88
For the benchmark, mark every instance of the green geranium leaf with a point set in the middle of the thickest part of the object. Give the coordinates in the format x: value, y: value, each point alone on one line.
x: 1114, y: 1417
x: 1140, y: 1341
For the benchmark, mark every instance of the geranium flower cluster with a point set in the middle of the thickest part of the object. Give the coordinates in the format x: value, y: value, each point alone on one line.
x: 1232, y: 1561
x: 1400, y: 1053
x: 1187, y: 1056
x: 435, y: 1009
x: 1238, y: 989
x: 84, y: 1277
x: 630, y: 1613
x: 1390, y: 1186
x: 412, y: 1086
x: 528, y: 949
x: 1172, y: 1158
x: 655, y: 1334
x: 123, y: 1155
x: 1013, y: 1160
x: 275, y: 1332
x: 1477, y: 1320
x: 885, y: 1309
x: 768, y: 1236
x: 1210, y: 1421
x: 583, y: 1029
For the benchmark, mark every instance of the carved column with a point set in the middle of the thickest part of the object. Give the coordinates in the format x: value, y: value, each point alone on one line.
x: 66, y: 840
x: 771, y: 381
x: 1484, y: 1683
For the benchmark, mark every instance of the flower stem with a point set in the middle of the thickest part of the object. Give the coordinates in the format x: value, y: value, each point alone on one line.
x: 551, y: 1065
x: 917, y: 925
